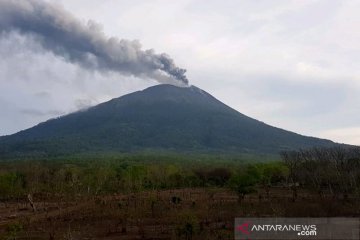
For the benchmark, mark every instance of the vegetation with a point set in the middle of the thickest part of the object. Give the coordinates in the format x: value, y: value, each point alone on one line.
x: 171, y: 196
x: 325, y: 170
x: 160, y: 118
x: 332, y: 170
x: 130, y: 174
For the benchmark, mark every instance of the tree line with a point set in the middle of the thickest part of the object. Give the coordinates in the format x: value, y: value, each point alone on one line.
x: 334, y: 171
x: 326, y: 171
x: 101, y: 177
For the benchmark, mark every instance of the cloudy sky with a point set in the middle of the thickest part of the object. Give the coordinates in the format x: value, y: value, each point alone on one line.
x: 291, y: 64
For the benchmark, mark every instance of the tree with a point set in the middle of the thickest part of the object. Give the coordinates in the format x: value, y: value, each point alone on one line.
x: 244, y: 183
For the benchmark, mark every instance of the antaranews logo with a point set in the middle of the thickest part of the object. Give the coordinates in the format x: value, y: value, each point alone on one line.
x: 301, y: 230
x: 244, y: 228
x: 297, y: 228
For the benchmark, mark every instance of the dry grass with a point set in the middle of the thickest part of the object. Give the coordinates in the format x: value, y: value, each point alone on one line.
x: 171, y: 214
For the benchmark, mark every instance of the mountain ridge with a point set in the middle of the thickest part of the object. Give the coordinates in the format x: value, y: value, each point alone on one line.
x: 162, y: 117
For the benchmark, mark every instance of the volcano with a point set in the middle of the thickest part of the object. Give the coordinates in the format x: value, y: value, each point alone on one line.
x: 159, y: 118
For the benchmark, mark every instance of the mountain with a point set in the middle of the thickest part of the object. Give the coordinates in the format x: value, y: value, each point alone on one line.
x: 163, y: 117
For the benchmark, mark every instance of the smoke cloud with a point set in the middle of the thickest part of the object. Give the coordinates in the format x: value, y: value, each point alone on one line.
x: 60, y: 32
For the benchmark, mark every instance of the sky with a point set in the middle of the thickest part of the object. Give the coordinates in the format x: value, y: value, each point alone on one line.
x: 291, y: 64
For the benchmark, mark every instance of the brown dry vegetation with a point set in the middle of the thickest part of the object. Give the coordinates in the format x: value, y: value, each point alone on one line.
x: 206, y: 213
x: 177, y: 199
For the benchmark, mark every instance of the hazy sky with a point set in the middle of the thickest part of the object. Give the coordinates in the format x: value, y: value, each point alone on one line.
x: 291, y: 64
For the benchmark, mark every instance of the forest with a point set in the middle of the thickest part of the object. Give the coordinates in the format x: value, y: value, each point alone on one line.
x: 170, y: 195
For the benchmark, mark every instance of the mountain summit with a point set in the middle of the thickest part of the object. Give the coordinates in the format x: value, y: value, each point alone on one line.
x: 163, y: 117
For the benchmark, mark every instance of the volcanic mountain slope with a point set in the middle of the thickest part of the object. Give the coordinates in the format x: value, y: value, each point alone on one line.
x: 163, y: 117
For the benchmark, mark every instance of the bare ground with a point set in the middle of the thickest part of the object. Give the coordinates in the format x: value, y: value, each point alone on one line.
x: 171, y: 214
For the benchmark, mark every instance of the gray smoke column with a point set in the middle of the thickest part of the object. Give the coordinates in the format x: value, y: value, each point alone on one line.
x: 60, y: 32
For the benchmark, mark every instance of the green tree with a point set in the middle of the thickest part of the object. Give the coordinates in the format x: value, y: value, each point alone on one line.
x: 244, y: 183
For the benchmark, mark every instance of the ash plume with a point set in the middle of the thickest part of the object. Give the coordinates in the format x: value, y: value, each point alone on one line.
x: 60, y: 32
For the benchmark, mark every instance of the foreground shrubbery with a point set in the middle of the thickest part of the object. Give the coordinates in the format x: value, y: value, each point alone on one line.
x: 97, y: 177
x: 325, y: 170
x: 331, y: 170
x: 170, y: 198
